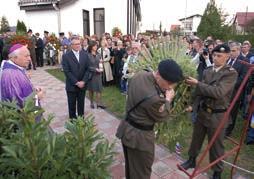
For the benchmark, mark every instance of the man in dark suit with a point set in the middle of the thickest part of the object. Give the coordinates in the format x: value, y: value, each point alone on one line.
x: 234, y: 61
x: 39, y: 50
x: 75, y: 66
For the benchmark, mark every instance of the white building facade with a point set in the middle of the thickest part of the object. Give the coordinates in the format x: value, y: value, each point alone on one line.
x: 83, y: 17
x: 190, y: 24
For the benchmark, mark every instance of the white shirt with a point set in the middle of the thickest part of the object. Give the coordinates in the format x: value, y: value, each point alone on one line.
x: 232, y: 62
x: 76, y: 53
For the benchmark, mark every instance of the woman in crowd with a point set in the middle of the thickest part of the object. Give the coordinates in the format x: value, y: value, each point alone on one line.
x: 96, y: 70
x: 105, y: 55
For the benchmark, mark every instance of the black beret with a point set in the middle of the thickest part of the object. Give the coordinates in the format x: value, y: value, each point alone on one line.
x: 169, y: 70
x: 223, y: 48
x: 46, y: 32
x: 29, y: 31
x: 61, y: 33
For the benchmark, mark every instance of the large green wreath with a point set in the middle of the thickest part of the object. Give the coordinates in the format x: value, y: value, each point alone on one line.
x: 160, y: 49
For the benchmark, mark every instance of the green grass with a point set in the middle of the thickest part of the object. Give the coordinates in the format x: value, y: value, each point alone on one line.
x: 115, y: 103
x: 57, y: 73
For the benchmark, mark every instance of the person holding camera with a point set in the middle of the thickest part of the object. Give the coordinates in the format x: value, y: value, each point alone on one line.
x: 203, y: 58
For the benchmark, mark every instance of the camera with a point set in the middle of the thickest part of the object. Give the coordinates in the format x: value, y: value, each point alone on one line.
x: 207, y: 43
x: 205, y: 51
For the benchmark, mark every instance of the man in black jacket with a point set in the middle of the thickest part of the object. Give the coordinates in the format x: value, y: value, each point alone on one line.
x: 76, y: 68
x: 39, y: 50
x: 234, y: 62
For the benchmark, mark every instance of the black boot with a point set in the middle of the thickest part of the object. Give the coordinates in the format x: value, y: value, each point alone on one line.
x: 216, y: 175
x: 101, y: 106
x: 191, y: 163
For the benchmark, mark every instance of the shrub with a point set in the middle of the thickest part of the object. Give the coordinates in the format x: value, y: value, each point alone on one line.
x: 31, y: 150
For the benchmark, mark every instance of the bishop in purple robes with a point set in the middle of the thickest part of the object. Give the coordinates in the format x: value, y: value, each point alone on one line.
x: 14, y: 83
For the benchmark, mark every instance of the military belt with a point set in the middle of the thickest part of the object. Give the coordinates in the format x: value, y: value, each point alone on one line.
x: 139, y: 126
x: 210, y: 110
x: 134, y: 124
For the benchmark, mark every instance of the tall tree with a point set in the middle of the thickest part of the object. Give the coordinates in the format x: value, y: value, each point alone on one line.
x: 4, y: 26
x: 21, y: 28
x: 212, y: 23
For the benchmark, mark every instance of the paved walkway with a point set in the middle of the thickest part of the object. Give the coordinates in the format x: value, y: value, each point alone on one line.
x: 55, y: 103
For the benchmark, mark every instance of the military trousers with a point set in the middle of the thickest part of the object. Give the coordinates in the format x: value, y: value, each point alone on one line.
x: 138, y: 164
x: 217, y: 149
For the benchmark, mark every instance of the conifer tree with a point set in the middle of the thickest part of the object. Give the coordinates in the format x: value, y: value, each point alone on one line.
x: 4, y: 26
x: 21, y: 28
x: 212, y: 24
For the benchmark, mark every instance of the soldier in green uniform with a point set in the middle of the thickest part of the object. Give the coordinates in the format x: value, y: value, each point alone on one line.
x: 212, y: 98
x: 148, y: 102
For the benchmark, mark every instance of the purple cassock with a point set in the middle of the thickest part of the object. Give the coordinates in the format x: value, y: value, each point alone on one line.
x: 14, y: 83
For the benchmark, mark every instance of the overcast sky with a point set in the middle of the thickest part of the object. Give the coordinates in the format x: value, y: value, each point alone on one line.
x: 169, y: 11
x: 154, y: 11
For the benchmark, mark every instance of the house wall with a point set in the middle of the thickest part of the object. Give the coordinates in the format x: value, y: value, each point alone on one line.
x: 39, y: 21
x: 115, y: 15
x: 196, y: 22
x: 192, y: 26
x: 71, y: 16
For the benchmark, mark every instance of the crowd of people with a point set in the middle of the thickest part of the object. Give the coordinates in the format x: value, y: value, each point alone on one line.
x: 106, y: 62
x: 89, y: 63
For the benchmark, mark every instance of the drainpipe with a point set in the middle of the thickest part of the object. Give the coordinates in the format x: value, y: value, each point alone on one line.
x: 58, y: 16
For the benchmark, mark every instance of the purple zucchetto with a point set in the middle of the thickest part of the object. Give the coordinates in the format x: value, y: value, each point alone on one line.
x: 15, y: 47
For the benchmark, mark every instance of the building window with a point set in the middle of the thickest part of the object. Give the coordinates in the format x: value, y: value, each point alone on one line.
x: 99, y: 21
x: 188, y: 25
x: 86, y: 23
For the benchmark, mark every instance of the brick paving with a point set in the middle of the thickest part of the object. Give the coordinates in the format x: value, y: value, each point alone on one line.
x: 55, y: 104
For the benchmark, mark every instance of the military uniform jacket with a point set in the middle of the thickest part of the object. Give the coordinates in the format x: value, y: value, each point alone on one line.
x: 142, y: 85
x: 215, y: 91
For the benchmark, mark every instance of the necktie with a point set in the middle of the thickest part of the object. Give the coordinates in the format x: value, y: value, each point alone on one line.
x: 231, y: 62
x: 77, y: 56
